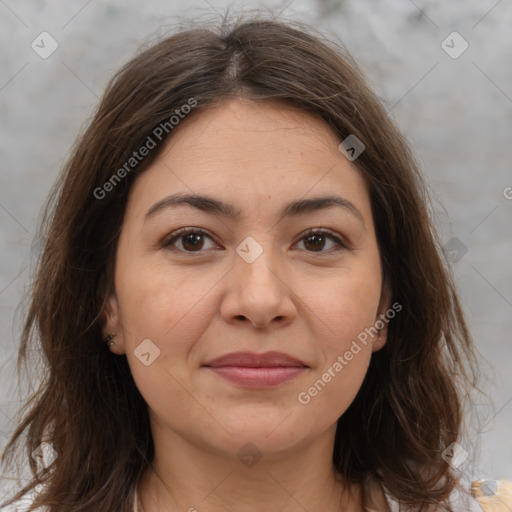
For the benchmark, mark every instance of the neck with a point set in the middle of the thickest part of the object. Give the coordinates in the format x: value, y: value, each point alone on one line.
x: 190, y: 478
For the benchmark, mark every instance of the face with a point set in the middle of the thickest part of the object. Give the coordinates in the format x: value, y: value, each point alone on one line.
x: 255, y: 276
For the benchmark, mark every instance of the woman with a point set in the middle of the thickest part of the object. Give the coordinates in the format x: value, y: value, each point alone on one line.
x: 241, y: 302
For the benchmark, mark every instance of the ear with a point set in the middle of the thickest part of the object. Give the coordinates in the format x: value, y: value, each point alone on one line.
x: 112, y: 324
x: 382, y: 319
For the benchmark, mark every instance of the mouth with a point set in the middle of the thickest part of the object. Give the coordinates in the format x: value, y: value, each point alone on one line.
x: 253, y: 370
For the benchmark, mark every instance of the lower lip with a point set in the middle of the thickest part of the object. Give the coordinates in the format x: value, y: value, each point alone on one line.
x: 258, y: 377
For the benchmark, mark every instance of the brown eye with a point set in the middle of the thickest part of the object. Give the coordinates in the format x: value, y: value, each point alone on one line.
x: 315, y: 241
x: 192, y: 240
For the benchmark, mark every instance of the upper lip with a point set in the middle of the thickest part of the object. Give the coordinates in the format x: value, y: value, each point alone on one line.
x: 254, y: 360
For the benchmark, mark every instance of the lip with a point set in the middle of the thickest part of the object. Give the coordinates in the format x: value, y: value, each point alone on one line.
x: 254, y: 370
x: 253, y: 360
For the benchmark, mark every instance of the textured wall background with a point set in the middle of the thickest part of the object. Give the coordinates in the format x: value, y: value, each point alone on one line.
x: 454, y: 103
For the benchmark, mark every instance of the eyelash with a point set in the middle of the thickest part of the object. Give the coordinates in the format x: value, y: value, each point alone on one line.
x: 180, y: 233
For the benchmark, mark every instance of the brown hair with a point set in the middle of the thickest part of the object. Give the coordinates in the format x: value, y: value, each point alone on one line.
x: 409, y: 408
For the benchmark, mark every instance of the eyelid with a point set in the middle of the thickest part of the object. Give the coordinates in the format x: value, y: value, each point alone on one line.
x: 340, y: 240
x: 332, y: 235
x: 175, y: 235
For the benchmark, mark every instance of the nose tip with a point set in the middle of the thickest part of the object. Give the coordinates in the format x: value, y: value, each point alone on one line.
x: 256, y: 292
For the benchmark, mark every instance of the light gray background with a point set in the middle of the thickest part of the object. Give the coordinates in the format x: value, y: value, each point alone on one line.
x: 456, y: 113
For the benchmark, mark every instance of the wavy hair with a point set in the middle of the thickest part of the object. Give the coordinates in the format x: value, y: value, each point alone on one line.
x: 410, y: 405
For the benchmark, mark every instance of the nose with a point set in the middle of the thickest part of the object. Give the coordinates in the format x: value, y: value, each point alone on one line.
x: 259, y: 292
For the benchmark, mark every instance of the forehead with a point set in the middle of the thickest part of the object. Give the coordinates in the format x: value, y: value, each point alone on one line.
x: 252, y: 151
x: 239, y: 128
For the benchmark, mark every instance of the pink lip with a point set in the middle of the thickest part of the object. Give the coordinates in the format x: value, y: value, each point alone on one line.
x: 257, y: 370
x: 258, y: 377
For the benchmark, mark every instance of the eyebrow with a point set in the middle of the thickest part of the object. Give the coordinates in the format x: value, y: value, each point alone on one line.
x: 214, y: 206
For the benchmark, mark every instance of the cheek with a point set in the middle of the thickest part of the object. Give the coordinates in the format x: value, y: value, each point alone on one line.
x: 172, y: 310
x: 333, y: 389
x: 161, y: 304
x: 345, y: 306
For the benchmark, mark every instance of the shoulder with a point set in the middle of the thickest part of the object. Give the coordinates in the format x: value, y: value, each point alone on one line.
x: 493, y: 495
x: 478, y: 496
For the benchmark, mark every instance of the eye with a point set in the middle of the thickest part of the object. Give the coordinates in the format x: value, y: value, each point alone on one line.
x: 192, y: 240
x: 315, y: 240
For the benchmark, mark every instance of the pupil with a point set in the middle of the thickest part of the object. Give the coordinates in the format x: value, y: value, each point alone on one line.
x: 193, y: 238
x: 318, y: 241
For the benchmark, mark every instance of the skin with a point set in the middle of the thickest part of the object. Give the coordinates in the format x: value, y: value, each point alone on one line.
x: 201, y: 304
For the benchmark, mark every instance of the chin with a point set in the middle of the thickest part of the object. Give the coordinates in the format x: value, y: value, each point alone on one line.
x: 268, y: 438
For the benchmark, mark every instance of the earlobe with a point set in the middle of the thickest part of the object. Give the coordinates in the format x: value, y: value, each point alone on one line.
x: 381, y: 324
x: 380, y: 340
